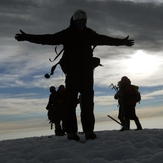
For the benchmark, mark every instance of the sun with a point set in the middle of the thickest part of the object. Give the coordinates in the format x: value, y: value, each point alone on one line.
x: 141, y: 63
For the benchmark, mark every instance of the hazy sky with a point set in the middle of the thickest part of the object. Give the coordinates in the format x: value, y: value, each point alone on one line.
x: 24, y: 90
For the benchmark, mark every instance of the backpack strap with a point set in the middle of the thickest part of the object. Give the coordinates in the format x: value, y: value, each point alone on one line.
x: 51, y: 125
x: 58, y: 54
x: 47, y: 76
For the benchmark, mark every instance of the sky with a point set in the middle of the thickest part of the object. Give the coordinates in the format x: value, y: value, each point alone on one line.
x: 144, y: 146
x: 24, y: 91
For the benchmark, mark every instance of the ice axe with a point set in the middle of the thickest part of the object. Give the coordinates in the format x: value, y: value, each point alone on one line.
x: 118, y: 122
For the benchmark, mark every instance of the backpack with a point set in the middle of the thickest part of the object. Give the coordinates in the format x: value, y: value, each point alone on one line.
x: 137, y: 94
x: 94, y: 63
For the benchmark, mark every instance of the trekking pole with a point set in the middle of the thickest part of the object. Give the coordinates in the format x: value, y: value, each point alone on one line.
x: 118, y: 122
x: 112, y: 86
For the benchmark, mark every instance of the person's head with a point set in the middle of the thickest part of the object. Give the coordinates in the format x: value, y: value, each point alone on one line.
x: 52, y: 89
x: 125, y: 80
x: 61, y: 88
x: 80, y: 19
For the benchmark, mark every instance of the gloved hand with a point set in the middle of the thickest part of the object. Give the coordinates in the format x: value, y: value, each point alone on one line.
x: 22, y: 36
x: 128, y: 42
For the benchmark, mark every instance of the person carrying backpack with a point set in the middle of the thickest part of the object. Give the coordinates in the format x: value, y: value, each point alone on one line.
x: 54, y: 114
x: 127, y: 97
x: 77, y: 63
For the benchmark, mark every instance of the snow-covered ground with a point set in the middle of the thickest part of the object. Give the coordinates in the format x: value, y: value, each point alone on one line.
x: 112, y: 146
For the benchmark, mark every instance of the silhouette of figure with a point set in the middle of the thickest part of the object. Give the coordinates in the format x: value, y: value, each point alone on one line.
x: 53, y: 111
x: 127, y: 101
x: 77, y: 64
x: 61, y: 98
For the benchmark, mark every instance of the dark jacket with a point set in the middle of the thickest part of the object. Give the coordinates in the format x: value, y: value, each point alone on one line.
x: 77, y: 44
x: 52, y: 100
x: 61, y: 98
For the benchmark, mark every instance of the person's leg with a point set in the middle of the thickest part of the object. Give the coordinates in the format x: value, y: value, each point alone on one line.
x: 87, y: 115
x: 127, y: 121
x: 71, y: 103
x: 127, y: 116
x: 57, y: 128
x: 87, y: 110
x: 134, y: 117
x: 121, y: 117
x: 137, y: 122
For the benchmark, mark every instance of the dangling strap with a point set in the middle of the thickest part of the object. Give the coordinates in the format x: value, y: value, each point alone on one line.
x: 54, y: 67
x: 52, y: 71
x: 93, y: 47
x: 58, y: 54
x: 51, y: 125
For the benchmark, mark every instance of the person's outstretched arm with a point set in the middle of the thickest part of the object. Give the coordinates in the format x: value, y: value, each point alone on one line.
x: 99, y: 39
x: 47, y: 39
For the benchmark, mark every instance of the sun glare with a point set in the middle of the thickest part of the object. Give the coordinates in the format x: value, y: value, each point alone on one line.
x: 141, y: 63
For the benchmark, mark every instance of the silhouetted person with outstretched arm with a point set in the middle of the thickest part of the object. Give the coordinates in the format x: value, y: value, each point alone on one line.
x: 77, y: 64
